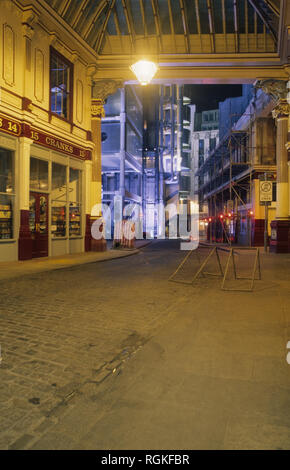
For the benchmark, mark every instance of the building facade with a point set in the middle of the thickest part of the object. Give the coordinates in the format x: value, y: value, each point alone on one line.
x: 204, y: 139
x: 166, y: 162
x: 47, y: 145
x: 231, y: 173
x: 122, y: 146
x: 60, y: 60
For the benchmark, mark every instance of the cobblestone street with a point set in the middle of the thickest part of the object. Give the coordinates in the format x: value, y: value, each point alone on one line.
x: 112, y: 355
x: 62, y: 329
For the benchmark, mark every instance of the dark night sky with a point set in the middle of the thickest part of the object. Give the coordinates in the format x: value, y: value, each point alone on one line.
x: 204, y: 96
x: 209, y: 96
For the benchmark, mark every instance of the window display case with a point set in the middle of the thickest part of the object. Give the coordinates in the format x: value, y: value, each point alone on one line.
x: 58, y: 221
x: 6, y: 221
x: 74, y: 202
x: 6, y: 194
x: 74, y: 220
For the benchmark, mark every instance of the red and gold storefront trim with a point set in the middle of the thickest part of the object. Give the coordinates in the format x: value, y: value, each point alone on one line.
x: 18, y: 129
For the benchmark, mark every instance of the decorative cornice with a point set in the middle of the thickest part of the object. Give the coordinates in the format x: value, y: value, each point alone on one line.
x: 101, y: 89
x: 97, y: 109
x: 282, y: 110
x: 91, y: 70
x: 275, y: 88
x: 30, y: 17
x: 27, y: 30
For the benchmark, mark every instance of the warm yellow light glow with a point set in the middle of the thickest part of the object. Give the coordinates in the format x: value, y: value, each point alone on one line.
x: 144, y: 71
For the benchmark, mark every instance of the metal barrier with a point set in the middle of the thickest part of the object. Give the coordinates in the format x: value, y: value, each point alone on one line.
x: 257, y: 265
x: 201, y: 268
x: 223, y: 274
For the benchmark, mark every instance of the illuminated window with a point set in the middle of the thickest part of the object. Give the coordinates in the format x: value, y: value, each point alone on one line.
x: 38, y: 174
x: 60, y: 85
x: 7, y: 194
x: 74, y: 202
x: 58, y: 200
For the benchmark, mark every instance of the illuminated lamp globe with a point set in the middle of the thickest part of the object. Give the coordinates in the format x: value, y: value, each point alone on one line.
x: 144, y: 71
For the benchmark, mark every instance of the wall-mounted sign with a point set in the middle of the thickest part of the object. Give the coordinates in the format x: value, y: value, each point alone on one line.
x: 57, y: 144
x: 9, y: 126
x: 266, y: 191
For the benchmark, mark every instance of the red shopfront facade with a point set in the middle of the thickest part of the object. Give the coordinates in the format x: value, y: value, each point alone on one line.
x: 42, y: 192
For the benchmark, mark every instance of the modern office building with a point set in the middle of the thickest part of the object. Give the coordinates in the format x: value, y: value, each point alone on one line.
x: 122, y: 147
x: 166, y: 159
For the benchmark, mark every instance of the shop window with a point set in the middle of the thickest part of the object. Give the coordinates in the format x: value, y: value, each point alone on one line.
x: 60, y: 85
x: 58, y: 200
x: 38, y: 174
x: 74, y: 202
x: 7, y: 194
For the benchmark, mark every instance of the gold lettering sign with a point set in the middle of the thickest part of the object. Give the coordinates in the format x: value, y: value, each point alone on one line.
x: 9, y: 126
x: 12, y: 127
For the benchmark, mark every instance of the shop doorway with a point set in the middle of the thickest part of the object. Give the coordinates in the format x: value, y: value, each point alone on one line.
x: 38, y: 223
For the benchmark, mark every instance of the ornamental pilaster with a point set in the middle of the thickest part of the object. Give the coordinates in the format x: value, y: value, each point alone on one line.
x: 282, y: 110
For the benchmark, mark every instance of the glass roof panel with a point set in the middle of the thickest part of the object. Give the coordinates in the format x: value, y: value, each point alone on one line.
x: 203, y: 13
x: 218, y: 16
x: 164, y: 16
x: 81, y: 15
x: 121, y: 18
x: 111, y: 28
x: 191, y: 17
x: 136, y: 16
x: 149, y: 17
x: 86, y: 16
x: 251, y: 19
x: 176, y: 13
x: 241, y: 17
x: 97, y: 28
x: 71, y: 10
x: 260, y: 25
x: 230, y: 24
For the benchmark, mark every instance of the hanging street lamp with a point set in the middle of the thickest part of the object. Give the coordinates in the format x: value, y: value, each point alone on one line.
x: 144, y: 70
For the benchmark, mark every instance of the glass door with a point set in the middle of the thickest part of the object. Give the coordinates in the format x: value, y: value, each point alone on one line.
x: 38, y: 223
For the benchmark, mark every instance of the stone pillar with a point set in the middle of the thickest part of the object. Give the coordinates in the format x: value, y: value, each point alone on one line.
x: 281, y: 226
x: 101, y: 89
x: 97, y: 112
x: 25, y: 240
x: 88, y: 178
x: 281, y: 113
